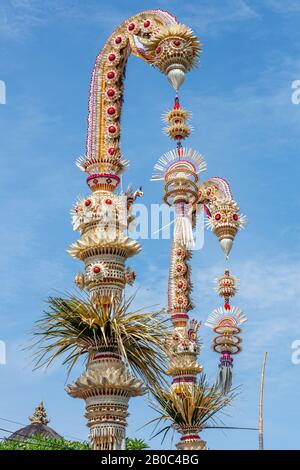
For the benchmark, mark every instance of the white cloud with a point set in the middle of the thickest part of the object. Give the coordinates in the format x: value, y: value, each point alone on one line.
x: 19, y: 18
x: 268, y: 282
x: 213, y: 18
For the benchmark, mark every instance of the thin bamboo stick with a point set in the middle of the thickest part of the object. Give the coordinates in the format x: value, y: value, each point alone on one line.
x: 261, y: 432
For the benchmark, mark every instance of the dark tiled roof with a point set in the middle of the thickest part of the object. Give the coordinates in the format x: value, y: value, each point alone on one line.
x: 38, y: 426
x: 33, y: 430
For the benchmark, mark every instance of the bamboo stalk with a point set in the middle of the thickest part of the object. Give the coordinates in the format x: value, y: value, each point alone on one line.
x: 260, y: 433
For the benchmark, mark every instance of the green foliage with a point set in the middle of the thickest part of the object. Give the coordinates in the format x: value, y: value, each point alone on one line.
x: 43, y: 443
x: 48, y: 443
x: 135, y: 444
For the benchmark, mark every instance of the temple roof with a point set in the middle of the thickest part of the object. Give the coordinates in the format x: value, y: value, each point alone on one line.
x: 38, y: 426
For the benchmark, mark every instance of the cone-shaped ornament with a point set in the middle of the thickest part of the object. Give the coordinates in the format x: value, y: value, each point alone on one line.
x: 226, y: 245
x: 176, y: 76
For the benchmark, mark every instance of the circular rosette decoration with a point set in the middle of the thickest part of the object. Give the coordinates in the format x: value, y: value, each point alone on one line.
x: 120, y: 41
x: 112, y: 76
x: 181, y: 253
x: 225, y: 222
x: 130, y: 276
x: 181, y: 284
x: 182, y: 301
x: 112, y: 111
x: 174, y: 50
x: 112, y: 94
x: 180, y: 268
x: 83, y: 213
x: 96, y: 272
x: 80, y: 280
x: 113, y: 58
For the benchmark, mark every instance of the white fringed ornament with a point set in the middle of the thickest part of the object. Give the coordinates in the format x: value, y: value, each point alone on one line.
x: 183, y: 228
x: 107, y: 436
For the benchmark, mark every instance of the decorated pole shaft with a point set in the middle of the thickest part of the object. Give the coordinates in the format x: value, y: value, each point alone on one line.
x: 179, y: 169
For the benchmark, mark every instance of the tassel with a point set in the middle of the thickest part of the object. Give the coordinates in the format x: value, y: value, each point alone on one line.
x: 225, y: 373
x: 183, y: 229
x: 107, y: 437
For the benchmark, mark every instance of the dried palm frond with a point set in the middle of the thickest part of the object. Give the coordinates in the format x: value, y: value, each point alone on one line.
x: 194, y: 407
x: 74, y: 326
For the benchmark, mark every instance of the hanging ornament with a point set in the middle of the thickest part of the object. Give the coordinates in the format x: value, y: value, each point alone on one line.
x: 225, y: 322
x: 225, y: 222
x: 174, y: 50
x: 179, y: 169
x: 177, y: 118
x: 226, y: 287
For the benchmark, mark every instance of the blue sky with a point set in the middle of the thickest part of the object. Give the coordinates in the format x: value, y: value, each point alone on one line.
x: 248, y: 131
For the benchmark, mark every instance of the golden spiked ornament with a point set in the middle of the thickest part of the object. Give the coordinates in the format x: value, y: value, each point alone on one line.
x: 174, y: 50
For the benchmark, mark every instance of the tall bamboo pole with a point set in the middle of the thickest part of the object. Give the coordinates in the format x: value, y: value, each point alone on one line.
x: 260, y: 433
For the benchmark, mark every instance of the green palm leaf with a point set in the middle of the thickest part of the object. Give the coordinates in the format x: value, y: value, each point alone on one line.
x: 73, y: 326
x: 194, y: 407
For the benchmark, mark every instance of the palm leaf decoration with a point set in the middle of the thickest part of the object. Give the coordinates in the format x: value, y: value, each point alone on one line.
x: 194, y: 407
x: 73, y: 326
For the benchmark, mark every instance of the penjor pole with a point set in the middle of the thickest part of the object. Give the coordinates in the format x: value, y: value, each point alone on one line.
x: 262, y: 383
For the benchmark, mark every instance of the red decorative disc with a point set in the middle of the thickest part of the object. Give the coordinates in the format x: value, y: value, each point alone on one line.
x: 131, y: 27
x: 118, y: 40
x: 158, y: 50
x: 108, y: 201
x: 218, y: 216
x: 147, y: 24
x: 88, y: 202
x: 110, y: 92
x: 96, y: 270
x: 111, y: 75
x: 235, y: 217
x: 111, y: 151
x: 177, y: 42
x: 112, y: 129
x: 180, y: 253
x: 111, y: 57
x: 111, y: 111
